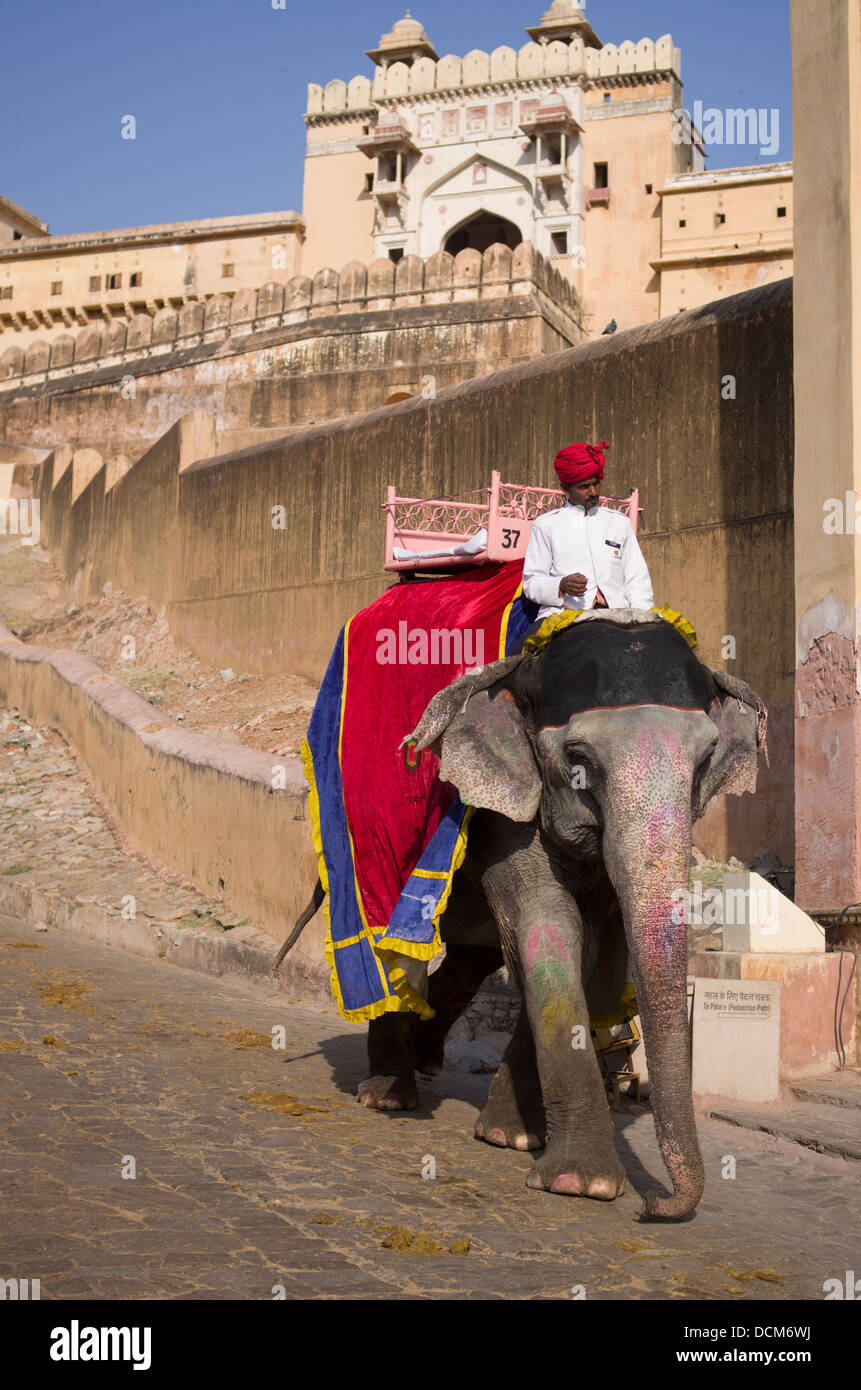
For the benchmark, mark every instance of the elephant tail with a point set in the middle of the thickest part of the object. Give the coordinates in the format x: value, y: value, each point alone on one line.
x: 301, y: 923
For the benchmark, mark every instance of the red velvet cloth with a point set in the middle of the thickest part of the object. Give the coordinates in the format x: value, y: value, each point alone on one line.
x: 394, y: 666
x: 577, y: 462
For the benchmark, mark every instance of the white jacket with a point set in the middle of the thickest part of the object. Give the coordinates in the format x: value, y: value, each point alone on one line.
x: 600, y: 544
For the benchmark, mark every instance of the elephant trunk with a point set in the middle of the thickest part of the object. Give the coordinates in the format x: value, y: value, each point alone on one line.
x: 647, y: 854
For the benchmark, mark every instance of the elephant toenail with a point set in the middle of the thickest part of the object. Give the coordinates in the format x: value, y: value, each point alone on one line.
x: 570, y: 1183
x: 604, y: 1189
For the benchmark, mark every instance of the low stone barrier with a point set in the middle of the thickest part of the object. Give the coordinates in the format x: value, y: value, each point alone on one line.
x: 231, y: 820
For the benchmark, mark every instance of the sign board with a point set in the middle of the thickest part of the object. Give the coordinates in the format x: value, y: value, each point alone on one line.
x: 736, y: 1039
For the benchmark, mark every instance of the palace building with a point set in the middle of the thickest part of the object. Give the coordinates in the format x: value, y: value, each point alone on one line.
x: 578, y: 147
x: 568, y: 143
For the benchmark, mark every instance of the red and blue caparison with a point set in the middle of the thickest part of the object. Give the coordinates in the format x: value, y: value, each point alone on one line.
x: 389, y: 835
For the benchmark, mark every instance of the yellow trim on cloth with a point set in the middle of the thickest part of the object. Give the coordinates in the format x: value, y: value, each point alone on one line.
x: 390, y: 1002
x: 426, y: 950
x: 557, y: 622
x: 503, y: 626
x: 404, y: 999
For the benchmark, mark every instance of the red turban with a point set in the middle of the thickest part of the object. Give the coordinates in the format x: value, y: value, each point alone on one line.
x: 579, y: 462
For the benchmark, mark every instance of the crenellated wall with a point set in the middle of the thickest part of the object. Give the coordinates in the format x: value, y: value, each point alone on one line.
x: 384, y: 284
x: 266, y: 361
x: 478, y: 69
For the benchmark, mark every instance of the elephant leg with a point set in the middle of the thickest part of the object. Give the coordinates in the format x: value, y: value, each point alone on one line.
x: 451, y: 990
x: 514, y: 1114
x: 542, y: 937
x: 390, y: 1083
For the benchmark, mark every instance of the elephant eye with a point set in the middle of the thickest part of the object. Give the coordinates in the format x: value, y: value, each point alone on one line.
x: 578, y: 756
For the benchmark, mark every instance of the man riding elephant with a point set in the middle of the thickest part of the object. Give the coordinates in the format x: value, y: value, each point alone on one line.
x: 583, y: 761
x: 583, y: 555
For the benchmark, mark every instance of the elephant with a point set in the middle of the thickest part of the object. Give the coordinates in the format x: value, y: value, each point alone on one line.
x: 586, y: 762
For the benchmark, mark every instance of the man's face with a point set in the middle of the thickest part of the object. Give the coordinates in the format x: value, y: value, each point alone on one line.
x: 586, y: 494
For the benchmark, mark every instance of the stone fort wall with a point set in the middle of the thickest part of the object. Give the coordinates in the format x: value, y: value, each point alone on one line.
x: 698, y: 413
x: 270, y: 360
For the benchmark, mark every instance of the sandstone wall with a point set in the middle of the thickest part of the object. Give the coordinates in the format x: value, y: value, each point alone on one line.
x: 230, y: 819
x: 697, y: 412
x: 266, y: 361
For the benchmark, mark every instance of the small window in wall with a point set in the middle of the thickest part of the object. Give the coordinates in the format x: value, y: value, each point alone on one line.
x: 396, y: 253
x: 17, y: 236
x: 476, y: 119
x: 5, y: 291
x: 135, y: 279
x: 720, y: 218
x: 114, y: 282
x: 781, y: 212
x: 227, y: 270
x: 366, y: 130
x: 648, y: 188
x: 504, y: 115
x: 451, y: 122
x: 369, y: 183
x: 608, y: 96
x: 683, y: 221
x: 56, y: 287
x: 551, y: 148
x: 600, y: 175
x: 95, y: 284
x: 559, y: 243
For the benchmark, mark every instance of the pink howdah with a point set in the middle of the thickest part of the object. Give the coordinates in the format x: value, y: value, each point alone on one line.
x: 428, y: 532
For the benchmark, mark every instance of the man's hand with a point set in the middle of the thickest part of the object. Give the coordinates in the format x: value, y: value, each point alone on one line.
x: 574, y: 584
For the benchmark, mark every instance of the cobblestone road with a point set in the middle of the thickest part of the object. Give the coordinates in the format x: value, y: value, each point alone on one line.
x: 255, y: 1167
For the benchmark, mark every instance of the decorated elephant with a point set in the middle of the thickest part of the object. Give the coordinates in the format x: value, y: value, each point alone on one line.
x: 587, y: 759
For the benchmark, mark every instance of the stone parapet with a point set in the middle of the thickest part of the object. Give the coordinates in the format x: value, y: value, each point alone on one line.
x: 229, y: 819
x: 356, y: 288
x: 504, y: 65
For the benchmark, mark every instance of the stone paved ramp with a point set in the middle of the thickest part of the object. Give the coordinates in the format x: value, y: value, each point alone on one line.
x: 104, y: 1056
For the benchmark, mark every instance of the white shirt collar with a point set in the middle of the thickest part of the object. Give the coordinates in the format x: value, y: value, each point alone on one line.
x: 578, y: 506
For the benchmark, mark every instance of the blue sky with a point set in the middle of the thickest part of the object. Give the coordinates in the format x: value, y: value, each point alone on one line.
x: 217, y: 89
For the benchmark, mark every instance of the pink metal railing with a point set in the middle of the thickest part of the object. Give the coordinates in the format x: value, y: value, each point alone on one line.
x: 432, y: 523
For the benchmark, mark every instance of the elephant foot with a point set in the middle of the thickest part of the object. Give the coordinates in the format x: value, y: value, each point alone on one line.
x: 390, y: 1084
x: 389, y: 1092
x: 513, y: 1117
x: 577, y: 1171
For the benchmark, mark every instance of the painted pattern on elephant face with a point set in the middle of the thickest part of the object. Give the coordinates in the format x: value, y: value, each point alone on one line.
x: 657, y: 772
x: 548, y: 973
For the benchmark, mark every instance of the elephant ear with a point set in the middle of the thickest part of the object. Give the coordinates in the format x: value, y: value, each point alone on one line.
x: 480, y: 735
x: 741, y: 717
